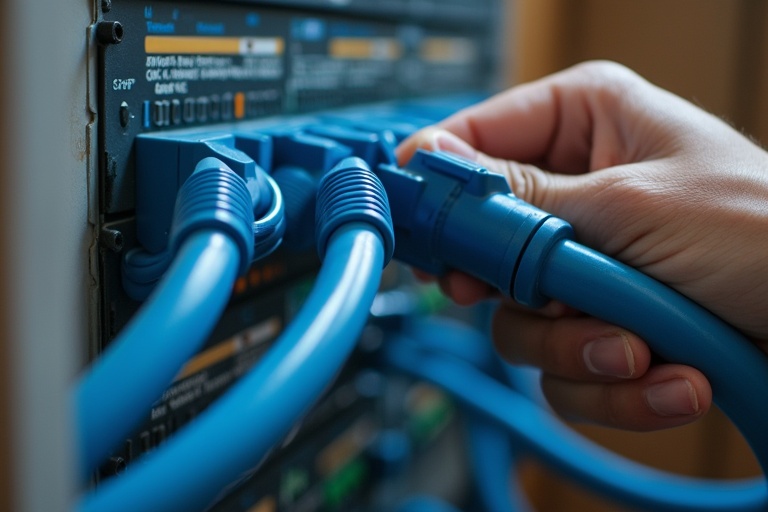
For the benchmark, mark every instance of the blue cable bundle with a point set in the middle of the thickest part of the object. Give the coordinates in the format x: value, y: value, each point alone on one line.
x: 555, y: 444
x: 448, y: 212
x: 256, y: 413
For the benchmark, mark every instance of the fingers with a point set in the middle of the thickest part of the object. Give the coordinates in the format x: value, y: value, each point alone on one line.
x: 552, y: 121
x: 596, y: 372
x: 464, y: 289
x: 570, y: 347
x: 434, y: 138
x: 666, y: 396
x: 588, y: 117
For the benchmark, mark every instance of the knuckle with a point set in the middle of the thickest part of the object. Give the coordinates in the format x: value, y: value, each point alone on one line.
x: 605, y: 69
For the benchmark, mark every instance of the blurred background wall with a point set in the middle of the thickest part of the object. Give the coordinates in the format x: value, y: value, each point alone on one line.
x: 711, y: 52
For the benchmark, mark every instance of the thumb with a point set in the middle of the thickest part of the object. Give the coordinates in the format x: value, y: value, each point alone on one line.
x: 528, y: 182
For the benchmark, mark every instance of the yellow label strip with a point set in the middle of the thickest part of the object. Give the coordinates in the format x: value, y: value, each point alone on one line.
x: 456, y: 50
x: 192, y: 45
x: 231, y: 347
x: 376, y: 48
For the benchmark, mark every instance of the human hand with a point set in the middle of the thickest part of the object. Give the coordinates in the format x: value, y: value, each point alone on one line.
x: 647, y: 178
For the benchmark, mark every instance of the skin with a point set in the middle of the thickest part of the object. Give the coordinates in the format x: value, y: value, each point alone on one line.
x: 647, y: 178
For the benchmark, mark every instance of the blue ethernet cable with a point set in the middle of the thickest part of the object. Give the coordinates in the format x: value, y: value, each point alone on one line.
x: 425, y: 504
x: 355, y: 240
x: 582, y: 461
x: 494, y: 460
x: 452, y: 213
x: 492, y: 453
x: 213, y: 242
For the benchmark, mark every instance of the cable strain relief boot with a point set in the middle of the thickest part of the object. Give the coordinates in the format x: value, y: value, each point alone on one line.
x: 525, y: 283
x: 351, y: 192
x: 215, y: 197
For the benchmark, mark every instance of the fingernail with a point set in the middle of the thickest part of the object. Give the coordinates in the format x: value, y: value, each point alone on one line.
x: 446, y: 141
x: 673, y: 398
x: 611, y: 356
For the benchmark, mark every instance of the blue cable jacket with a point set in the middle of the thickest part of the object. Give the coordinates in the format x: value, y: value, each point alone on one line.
x: 425, y: 504
x: 677, y: 329
x: 238, y: 430
x: 114, y: 395
x: 494, y: 466
x: 584, y: 462
x: 491, y: 452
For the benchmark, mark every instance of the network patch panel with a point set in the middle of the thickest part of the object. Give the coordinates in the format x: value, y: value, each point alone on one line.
x: 264, y: 299
x: 179, y: 65
x: 281, y: 85
x: 275, y: 85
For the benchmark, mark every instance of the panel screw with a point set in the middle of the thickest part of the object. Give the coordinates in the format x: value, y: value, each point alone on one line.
x: 109, y: 32
x: 112, y: 239
x: 106, y: 5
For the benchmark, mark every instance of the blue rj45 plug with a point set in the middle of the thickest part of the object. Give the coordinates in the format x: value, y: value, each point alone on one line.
x: 165, y: 165
x: 452, y: 213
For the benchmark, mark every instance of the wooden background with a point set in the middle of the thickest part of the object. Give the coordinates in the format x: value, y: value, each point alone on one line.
x: 712, y: 52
